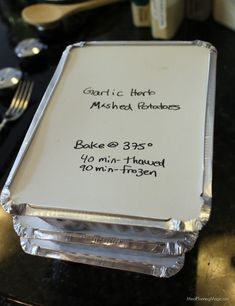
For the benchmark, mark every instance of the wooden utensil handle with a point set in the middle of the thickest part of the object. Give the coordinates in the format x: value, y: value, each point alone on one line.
x: 88, y: 5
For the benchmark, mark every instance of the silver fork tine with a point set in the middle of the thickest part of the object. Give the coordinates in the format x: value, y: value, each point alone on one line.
x: 19, y: 103
x: 14, y: 100
x: 26, y: 98
x: 19, y: 98
x: 28, y: 95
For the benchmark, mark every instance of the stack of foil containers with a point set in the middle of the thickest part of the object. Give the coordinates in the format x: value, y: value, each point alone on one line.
x: 42, y: 189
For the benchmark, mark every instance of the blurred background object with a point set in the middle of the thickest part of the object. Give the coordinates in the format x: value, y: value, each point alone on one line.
x: 166, y: 17
x: 9, y: 78
x: 198, y: 9
x: 224, y: 13
x: 46, y: 14
x: 140, y: 13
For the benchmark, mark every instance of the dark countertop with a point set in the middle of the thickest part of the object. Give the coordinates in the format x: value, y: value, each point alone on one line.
x: 209, y: 270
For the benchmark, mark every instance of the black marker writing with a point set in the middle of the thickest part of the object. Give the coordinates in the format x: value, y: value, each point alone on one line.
x: 113, y: 106
x: 107, y: 92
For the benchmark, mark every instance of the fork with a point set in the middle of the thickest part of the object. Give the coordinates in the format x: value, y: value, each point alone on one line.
x: 19, y: 103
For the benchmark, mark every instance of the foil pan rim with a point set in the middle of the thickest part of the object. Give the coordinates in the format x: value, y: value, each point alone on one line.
x: 156, y: 270
x: 176, y: 248
x: 167, y: 225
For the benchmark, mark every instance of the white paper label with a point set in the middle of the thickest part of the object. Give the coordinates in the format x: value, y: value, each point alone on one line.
x: 122, y: 134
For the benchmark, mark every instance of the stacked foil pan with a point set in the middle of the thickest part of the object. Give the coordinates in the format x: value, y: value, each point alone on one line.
x: 147, y: 250
x: 151, y: 245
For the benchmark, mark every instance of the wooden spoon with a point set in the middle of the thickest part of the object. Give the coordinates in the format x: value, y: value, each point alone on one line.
x: 45, y: 14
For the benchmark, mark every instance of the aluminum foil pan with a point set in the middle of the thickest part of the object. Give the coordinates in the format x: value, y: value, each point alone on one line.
x: 135, y: 261
x: 163, y: 213
x: 38, y: 229
x: 114, y: 230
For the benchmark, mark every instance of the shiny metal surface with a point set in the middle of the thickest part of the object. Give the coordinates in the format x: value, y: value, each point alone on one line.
x: 135, y: 261
x: 109, y: 238
x: 9, y: 78
x: 29, y: 47
x: 19, y: 103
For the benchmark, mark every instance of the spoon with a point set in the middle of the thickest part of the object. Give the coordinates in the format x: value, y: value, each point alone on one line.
x: 46, y: 14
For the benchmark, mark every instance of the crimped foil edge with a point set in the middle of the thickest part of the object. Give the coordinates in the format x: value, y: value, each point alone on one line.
x: 154, y: 270
x: 165, y: 248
